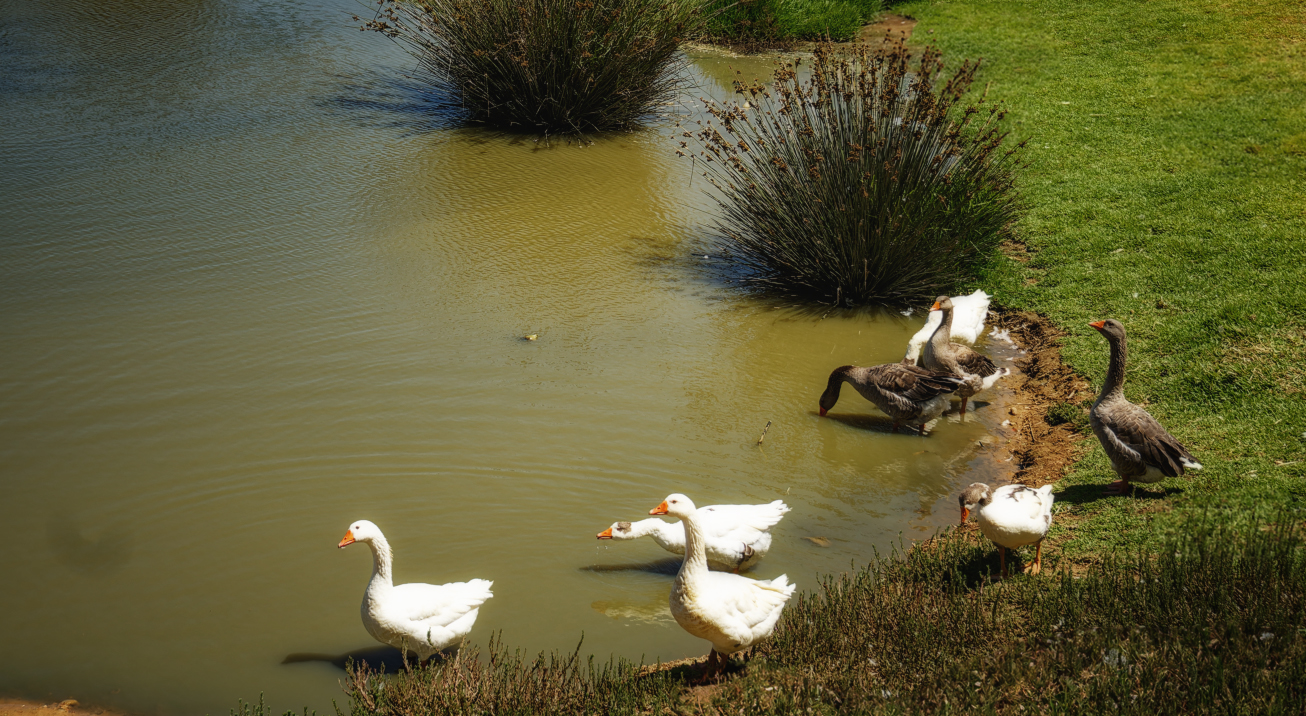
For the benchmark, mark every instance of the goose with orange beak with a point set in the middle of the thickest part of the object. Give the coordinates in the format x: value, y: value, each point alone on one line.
x: 1011, y: 516
x: 907, y: 393
x: 976, y: 372
x: 735, y: 537
x: 1140, y: 449
x: 730, y: 611
x: 968, y: 316
x: 419, y: 618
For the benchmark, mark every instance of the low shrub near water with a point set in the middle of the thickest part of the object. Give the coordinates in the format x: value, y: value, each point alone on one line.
x: 863, y: 183
x: 506, y: 683
x: 762, y: 22
x: 551, y: 66
x: 1216, y: 622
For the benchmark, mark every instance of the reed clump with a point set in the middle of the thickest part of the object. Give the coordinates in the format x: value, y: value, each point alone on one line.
x: 864, y: 183
x: 547, y: 66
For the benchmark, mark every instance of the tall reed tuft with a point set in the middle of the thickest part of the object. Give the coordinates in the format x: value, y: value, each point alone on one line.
x: 550, y: 66
x: 863, y: 183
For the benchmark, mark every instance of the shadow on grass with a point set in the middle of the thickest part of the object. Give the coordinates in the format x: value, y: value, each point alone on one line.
x: 670, y: 566
x: 1084, y: 494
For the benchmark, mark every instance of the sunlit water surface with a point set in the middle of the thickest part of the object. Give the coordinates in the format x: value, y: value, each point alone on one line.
x: 250, y: 291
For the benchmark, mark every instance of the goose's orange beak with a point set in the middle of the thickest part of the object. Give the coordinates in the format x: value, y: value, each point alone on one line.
x: 823, y: 412
x: 348, y: 540
x: 1099, y: 325
x: 606, y: 534
x: 660, y: 509
x: 964, y: 514
x: 936, y: 307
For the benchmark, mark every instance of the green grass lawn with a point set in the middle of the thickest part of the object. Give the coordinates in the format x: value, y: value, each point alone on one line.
x: 788, y: 20
x: 1166, y: 189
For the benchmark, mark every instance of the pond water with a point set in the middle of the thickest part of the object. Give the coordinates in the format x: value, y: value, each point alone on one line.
x: 249, y: 294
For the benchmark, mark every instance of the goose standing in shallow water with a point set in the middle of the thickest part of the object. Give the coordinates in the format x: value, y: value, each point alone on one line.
x: 421, y: 618
x: 968, y: 316
x: 730, y: 611
x: 976, y: 371
x: 735, y: 537
x: 1011, y: 516
x: 1140, y: 449
x: 907, y: 393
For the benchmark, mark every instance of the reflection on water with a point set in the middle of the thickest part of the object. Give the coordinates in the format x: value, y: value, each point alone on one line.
x: 250, y: 294
x: 107, y: 552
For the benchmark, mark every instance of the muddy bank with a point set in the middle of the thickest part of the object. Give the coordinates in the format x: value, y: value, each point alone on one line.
x: 68, y: 707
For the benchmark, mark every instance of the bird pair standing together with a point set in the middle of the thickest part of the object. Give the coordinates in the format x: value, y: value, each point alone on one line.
x: 1140, y: 450
x: 917, y: 394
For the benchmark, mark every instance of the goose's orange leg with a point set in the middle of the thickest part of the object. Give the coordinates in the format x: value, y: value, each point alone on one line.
x: 1038, y: 558
x: 963, y: 407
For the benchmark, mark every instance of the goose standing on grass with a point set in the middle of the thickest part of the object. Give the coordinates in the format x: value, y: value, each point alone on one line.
x: 968, y: 316
x: 1011, y: 516
x: 731, y: 611
x: 1140, y: 449
x: 735, y: 537
x: 907, y: 393
x: 420, y: 618
x: 976, y: 371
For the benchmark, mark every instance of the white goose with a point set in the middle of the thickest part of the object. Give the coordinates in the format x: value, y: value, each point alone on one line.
x: 420, y: 618
x: 968, y: 315
x: 730, y: 611
x: 735, y: 537
x: 1011, y: 516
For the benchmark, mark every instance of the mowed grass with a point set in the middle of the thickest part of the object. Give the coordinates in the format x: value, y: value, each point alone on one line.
x: 1166, y: 189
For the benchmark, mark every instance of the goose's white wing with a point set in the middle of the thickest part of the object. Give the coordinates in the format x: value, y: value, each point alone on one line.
x: 745, y: 610
x: 968, y: 316
x: 721, y: 520
x: 440, y: 604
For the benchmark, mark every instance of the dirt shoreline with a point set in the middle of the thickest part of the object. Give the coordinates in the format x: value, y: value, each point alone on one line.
x: 67, y: 707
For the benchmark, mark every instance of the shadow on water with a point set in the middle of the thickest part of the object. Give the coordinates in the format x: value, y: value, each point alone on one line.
x: 378, y: 658
x: 1084, y: 494
x: 870, y: 423
x: 670, y: 565
x: 105, y: 554
x: 392, y: 101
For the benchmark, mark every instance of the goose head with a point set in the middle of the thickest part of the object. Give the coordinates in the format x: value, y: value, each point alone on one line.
x: 676, y: 505
x: 942, y: 303
x: 831, y: 394
x: 360, y: 531
x: 1112, y: 329
x: 977, y: 493
x: 618, y: 530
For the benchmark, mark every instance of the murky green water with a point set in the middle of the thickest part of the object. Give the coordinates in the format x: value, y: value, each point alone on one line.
x: 249, y: 294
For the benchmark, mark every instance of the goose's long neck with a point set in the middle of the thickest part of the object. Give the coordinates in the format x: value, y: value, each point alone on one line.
x: 943, y: 334
x: 381, y: 560
x: 664, y: 533
x: 695, y: 563
x: 1114, y: 384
